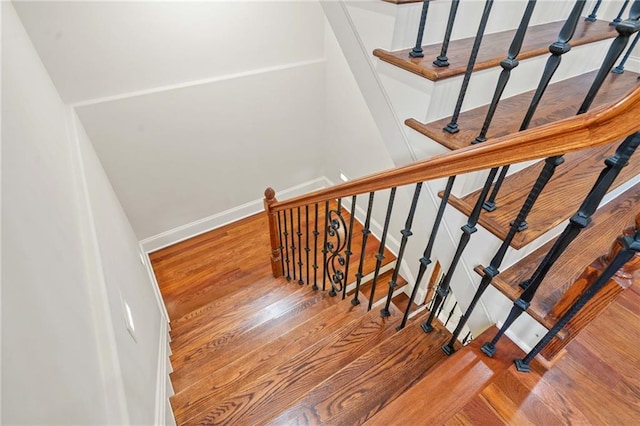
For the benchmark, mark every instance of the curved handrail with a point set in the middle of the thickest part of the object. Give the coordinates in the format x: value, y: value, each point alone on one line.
x: 603, y: 125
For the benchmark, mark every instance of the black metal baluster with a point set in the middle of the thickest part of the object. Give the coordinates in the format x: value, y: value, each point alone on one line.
x: 442, y: 60
x: 557, y: 49
x: 467, y: 338
x: 509, y: 63
x: 299, y: 233
x: 594, y: 12
x: 338, y: 232
x: 315, y: 249
x: 432, y: 302
x: 380, y: 255
x: 452, y: 127
x: 281, y: 246
x: 348, y: 252
x: 306, y: 248
x: 324, y: 246
x: 365, y: 235
x: 490, y: 272
x: 620, y: 68
x: 467, y: 230
x: 630, y: 246
x: 417, y: 52
x: 286, y: 245
x: 293, y: 245
x: 619, y: 17
x: 625, y: 29
x: 406, y: 233
x: 455, y: 305
x: 577, y: 222
x: 444, y: 302
x: 425, y: 260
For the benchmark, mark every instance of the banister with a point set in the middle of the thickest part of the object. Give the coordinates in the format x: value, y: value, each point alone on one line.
x: 601, y: 126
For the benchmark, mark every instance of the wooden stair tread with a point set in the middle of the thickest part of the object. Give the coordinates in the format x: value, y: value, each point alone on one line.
x: 351, y: 395
x: 257, y: 357
x: 259, y: 400
x: 449, y: 387
x: 558, y: 201
x: 493, y: 49
x: 560, y: 100
x: 594, y: 241
x: 211, y: 353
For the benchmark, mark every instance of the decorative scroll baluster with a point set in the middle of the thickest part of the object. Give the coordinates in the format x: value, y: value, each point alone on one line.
x: 452, y: 127
x: 365, y: 235
x: 324, y: 246
x: 380, y: 255
x: 492, y: 271
x: 577, y: 222
x: 620, y: 68
x: 274, y: 233
x: 557, y: 49
x: 299, y: 233
x: 315, y: 249
x: 280, y: 240
x: 509, y: 63
x: 306, y: 248
x: 293, y: 244
x: 467, y: 230
x: 442, y: 60
x: 631, y: 246
x: 417, y: 52
x: 337, y: 230
x: 406, y: 233
x: 625, y: 29
x: 619, y: 17
x: 425, y: 260
x: 594, y: 12
x: 348, y: 252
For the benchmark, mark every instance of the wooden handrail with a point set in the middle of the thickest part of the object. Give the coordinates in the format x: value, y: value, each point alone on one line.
x: 601, y: 126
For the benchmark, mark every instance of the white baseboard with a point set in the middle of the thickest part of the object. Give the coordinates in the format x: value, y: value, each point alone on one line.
x: 163, y: 386
x: 217, y: 220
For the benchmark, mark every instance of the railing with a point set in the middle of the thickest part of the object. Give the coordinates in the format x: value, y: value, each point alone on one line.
x: 602, y: 126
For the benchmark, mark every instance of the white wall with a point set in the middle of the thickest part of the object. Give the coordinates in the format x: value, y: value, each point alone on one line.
x: 66, y: 358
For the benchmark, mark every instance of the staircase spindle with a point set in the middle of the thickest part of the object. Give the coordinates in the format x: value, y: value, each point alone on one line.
x: 620, y: 68
x: 348, y: 252
x: 365, y: 235
x: 338, y: 232
x: 508, y: 64
x: 442, y: 60
x: 625, y: 29
x: 618, y: 18
x: 306, y: 233
x: 455, y: 305
x: 286, y: 246
x: 452, y: 127
x: 557, y: 49
x: 383, y: 241
x: 280, y: 240
x: 467, y: 338
x: 630, y: 246
x: 417, y: 52
x: 593, y: 15
x: 406, y: 233
x: 293, y: 244
x: 467, y: 231
x: 299, y: 233
x: 578, y: 221
x: 425, y: 260
x: 492, y: 271
x: 324, y: 246
x: 315, y: 249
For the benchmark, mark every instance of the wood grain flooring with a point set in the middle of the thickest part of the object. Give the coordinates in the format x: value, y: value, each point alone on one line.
x: 493, y: 49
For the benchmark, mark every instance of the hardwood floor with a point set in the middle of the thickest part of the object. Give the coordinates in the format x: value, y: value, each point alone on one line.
x: 268, y: 351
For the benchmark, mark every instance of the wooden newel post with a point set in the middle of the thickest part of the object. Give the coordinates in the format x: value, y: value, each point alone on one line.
x: 272, y: 217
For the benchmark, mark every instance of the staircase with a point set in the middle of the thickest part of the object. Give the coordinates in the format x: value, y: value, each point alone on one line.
x: 299, y: 338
